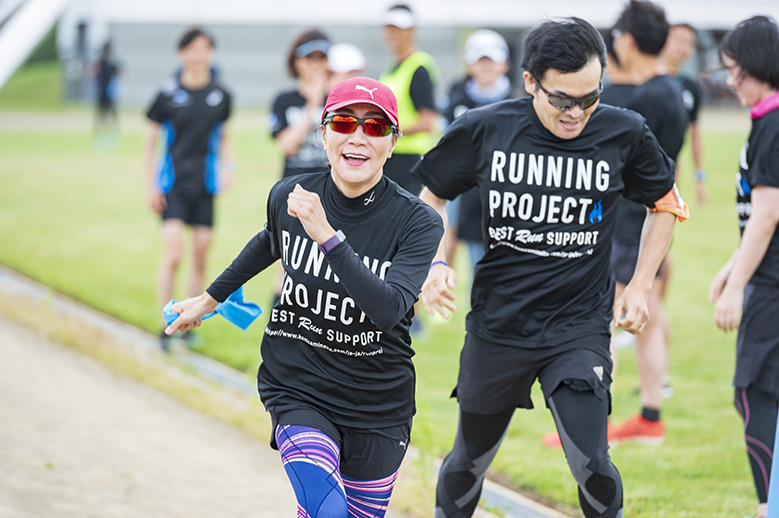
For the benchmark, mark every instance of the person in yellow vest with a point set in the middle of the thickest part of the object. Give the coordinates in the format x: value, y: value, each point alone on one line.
x: 410, y: 77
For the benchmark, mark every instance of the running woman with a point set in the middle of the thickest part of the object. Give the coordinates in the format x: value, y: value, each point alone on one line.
x: 746, y: 289
x: 191, y: 110
x: 550, y: 169
x: 294, y: 118
x: 336, y: 375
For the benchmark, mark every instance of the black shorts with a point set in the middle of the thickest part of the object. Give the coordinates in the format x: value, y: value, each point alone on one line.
x: 494, y: 377
x: 624, y: 258
x: 757, y: 349
x: 398, y: 169
x: 366, y: 453
x: 193, y: 209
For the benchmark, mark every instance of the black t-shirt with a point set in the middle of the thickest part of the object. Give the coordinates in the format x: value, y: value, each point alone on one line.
x: 288, y: 109
x: 691, y: 96
x: 659, y: 101
x: 421, y: 90
x: 469, y: 217
x: 192, y: 122
x: 618, y: 95
x: 106, y: 73
x: 760, y: 166
x: 338, y: 338
x: 549, y: 212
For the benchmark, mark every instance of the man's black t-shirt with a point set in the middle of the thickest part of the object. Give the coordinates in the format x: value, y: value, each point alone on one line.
x: 691, y: 96
x: 192, y: 121
x: 469, y: 218
x: 759, y: 166
x: 618, y: 95
x: 338, y: 338
x: 659, y: 101
x: 549, y: 212
x: 288, y: 110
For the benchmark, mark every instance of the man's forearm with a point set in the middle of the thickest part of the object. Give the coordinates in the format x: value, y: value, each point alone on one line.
x: 655, y: 239
x: 439, y: 204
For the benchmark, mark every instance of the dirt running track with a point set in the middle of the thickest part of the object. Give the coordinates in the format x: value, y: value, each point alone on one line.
x: 78, y: 441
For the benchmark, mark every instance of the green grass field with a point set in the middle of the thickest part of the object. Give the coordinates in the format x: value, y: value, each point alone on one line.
x: 76, y: 220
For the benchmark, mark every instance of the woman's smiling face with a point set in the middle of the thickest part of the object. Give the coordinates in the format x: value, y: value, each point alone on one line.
x: 356, y: 158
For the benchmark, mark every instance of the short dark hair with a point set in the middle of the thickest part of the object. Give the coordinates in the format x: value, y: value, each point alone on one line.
x: 312, y: 35
x: 192, y: 34
x: 754, y: 45
x: 646, y: 22
x: 565, y: 45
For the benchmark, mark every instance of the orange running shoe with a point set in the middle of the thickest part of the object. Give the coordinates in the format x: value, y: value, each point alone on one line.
x: 552, y: 439
x: 637, y: 429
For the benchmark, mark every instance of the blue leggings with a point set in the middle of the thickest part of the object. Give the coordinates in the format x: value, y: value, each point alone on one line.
x: 311, y: 460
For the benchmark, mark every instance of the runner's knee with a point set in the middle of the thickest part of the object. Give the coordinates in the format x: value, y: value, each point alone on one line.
x: 581, y: 420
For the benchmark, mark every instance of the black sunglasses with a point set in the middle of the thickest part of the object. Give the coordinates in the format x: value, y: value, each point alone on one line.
x: 564, y: 103
x: 372, y: 126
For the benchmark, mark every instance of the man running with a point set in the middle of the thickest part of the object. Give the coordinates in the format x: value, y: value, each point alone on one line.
x: 550, y: 169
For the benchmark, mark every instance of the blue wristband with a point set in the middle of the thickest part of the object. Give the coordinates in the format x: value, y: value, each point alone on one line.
x: 700, y: 175
x: 439, y: 262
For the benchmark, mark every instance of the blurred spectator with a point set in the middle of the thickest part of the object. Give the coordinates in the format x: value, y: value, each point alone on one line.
x: 679, y: 47
x: 191, y: 110
x: 106, y: 120
x: 344, y: 61
x: 296, y: 114
x: 411, y: 78
x: 486, y: 55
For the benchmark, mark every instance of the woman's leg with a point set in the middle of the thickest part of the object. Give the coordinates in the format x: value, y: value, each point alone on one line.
x: 370, y: 460
x: 758, y: 410
x: 311, y: 458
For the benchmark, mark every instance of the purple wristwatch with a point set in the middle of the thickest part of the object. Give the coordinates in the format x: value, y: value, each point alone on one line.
x: 333, y: 242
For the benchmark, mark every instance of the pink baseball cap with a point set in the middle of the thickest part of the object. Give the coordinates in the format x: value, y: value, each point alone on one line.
x: 362, y: 90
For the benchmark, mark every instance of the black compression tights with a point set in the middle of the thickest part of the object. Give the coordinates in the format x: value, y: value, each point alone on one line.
x: 758, y: 410
x: 582, y: 428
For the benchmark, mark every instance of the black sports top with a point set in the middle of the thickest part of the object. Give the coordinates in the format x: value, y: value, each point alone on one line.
x: 549, y: 209
x: 338, y: 338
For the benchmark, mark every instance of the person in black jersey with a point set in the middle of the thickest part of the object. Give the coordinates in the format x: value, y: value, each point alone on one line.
x: 411, y: 77
x: 106, y: 119
x: 550, y: 169
x: 294, y: 117
x: 486, y: 54
x: 640, y: 35
x: 190, y: 111
x: 619, y: 88
x: 679, y: 47
x: 746, y: 289
x: 336, y: 373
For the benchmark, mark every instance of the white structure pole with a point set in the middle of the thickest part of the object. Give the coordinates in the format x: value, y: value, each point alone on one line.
x: 24, y: 30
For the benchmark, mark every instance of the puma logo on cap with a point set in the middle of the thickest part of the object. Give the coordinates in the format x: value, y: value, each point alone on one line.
x: 361, y: 87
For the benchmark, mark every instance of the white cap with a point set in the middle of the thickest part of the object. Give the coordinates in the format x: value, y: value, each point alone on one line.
x: 343, y: 58
x: 486, y: 44
x: 400, y: 18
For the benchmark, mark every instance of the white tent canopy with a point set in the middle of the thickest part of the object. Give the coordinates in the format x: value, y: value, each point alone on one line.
x: 705, y: 14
